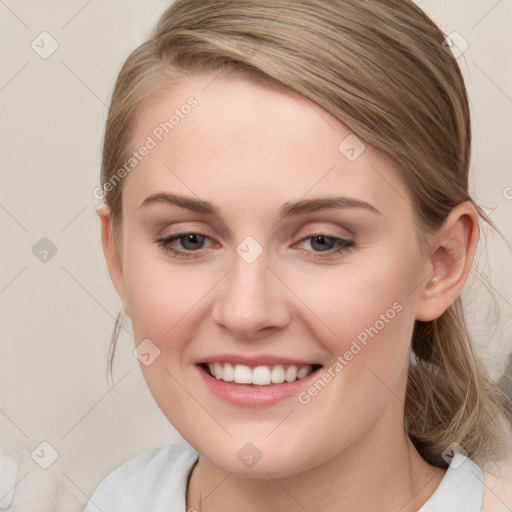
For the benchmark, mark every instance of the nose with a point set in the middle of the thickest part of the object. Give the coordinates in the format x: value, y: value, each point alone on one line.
x: 251, y: 301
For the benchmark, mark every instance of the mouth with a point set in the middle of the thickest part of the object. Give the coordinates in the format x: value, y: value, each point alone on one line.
x: 261, y: 375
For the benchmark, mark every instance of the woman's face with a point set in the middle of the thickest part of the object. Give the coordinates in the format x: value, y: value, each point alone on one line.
x: 262, y: 241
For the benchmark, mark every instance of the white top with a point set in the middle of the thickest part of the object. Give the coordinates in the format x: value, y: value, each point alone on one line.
x: 156, y: 481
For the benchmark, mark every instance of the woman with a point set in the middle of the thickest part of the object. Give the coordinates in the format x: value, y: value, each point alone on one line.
x: 288, y: 225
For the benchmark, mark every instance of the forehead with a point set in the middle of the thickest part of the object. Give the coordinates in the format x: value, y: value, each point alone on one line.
x: 225, y: 138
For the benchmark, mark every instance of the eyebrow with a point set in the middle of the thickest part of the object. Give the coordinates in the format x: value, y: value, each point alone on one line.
x: 289, y: 209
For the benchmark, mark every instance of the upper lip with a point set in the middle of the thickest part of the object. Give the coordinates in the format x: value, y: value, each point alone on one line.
x: 254, y: 360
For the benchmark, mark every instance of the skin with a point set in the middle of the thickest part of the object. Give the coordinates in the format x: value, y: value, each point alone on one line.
x: 249, y: 149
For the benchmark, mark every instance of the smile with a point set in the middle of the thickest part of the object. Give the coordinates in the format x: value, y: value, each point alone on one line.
x: 261, y: 380
x: 263, y: 375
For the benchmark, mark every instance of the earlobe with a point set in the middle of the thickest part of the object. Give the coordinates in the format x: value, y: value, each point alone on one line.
x: 452, y: 255
x: 112, y: 256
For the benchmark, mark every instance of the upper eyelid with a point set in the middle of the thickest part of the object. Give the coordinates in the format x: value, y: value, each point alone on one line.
x: 188, y: 227
x: 311, y: 231
x: 315, y: 211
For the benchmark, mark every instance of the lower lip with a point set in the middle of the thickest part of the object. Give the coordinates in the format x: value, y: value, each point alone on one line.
x: 251, y: 395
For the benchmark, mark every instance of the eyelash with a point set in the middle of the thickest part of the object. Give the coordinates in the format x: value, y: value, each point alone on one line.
x: 344, y: 245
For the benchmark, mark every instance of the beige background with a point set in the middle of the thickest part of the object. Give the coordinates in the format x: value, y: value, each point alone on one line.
x: 57, y: 316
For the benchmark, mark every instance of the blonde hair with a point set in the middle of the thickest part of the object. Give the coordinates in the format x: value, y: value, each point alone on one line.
x: 380, y: 68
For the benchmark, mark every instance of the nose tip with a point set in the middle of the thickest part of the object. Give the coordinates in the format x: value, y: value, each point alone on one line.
x: 250, y: 302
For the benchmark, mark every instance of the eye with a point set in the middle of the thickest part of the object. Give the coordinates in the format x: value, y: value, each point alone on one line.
x: 191, y: 242
x: 324, y: 243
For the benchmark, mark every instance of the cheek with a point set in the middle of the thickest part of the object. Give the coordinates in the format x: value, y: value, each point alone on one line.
x: 364, y: 316
x: 357, y: 301
x: 161, y: 296
x: 372, y: 316
x: 165, y: 302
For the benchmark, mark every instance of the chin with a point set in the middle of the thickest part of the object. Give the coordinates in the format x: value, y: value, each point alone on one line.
x: 263, y: 459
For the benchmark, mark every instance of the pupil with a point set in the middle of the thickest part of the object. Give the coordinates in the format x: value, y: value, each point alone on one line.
x: 189, y: 240
x: 324, y: 244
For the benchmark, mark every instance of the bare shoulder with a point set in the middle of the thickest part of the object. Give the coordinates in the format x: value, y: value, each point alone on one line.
x: 498, y: 489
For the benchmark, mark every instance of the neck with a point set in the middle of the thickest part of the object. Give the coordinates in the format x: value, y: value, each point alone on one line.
x: 378, y: 472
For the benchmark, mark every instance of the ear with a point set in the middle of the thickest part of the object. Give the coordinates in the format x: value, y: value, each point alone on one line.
x: 112, y: 256
x: 452, y: 253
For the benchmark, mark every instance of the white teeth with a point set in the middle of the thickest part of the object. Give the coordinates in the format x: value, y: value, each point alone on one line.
x: 290, y: 374
x: 304, y: 372
x: 278, y: 374
x: 218, y: 371
x: 243, y: 374
x: 260, y: 375
x: 228, y: 374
